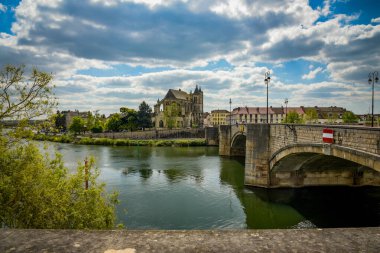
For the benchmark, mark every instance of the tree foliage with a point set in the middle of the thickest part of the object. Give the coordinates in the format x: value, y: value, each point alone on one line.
x: 37, y: 191
x: 129, y: 119
x: 349, y: 117
x: 293, y: 117
x: 170, y: 115
x: 114, y: 123
x: 25, y: 97
x: 78, y: 125
x: 144, y: 115
x: 311, y: 115
x: 60, y: 121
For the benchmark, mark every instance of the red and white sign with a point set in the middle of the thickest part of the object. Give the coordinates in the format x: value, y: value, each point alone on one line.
x: 328, y: 135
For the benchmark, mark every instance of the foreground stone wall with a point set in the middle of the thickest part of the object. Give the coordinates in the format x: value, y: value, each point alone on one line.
x: 218, y: 241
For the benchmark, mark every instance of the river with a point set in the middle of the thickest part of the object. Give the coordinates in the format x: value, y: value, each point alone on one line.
x: 194, y: 188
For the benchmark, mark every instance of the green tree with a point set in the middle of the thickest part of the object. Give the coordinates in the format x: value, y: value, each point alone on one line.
x: 25, y: 97
x: 90, y: 121
x: 36, y: 191
x: 77, y: 126
x: 60, y: 121
x: 350, y: 117
x: 114, y: 123
x: 293, y: 117
x: 144, y: 116
x: 98, y: 123
x: 311, y: 115
x: 129, y: 117
x: 171, y: 113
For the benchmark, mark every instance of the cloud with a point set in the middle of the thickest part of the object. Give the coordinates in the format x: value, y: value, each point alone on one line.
x: 312, y: 74
x: 375, y: 20
x: 3, y: 8
x: 180, y: 36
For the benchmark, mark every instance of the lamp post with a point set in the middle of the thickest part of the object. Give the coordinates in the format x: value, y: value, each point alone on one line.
x: 372, y: 79
x: 230, y: 113
x: 267, y: 80
x: 286, y: 110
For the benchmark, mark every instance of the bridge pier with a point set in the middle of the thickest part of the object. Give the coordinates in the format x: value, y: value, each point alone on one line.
x: 225, y: 137
x: 257, y: 171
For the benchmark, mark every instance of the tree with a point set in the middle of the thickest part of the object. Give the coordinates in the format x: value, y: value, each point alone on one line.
x: 171, y: 113
x: 77, y: 126
x: 98, y: 123
x: 349, y: 117
x: 144, y: 116
x: 25, y: 97
x: 293, y: 117
x: 114, y: 123
x: 332, y: 117
x: 311, y: 115
x: 90, y: 121
x: 60, y: 121
x: 38, y: 191
x: 129, y: 119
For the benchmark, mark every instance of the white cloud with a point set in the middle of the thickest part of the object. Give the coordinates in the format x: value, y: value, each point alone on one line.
x: 312, y: 74
x: 3, y: 8
x: 375, y: 20
x: 59, y: 37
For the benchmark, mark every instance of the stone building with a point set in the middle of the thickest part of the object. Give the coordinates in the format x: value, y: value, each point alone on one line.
x: 69, y: 115
x: 179, y: 109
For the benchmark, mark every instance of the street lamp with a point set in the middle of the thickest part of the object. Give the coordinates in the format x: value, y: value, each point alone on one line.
x: 267, y: 80
x: 230, y: 114
x: 286, y: 110
x: 372, y: 79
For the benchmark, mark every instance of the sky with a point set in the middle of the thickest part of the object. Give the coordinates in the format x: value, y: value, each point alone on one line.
x: 107, y: 54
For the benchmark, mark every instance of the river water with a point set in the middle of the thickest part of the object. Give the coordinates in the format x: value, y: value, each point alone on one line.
x: 194, y: 188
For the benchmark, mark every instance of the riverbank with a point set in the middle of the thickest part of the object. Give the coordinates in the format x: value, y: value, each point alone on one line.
x: 137, y: 241
x: 190, y: 142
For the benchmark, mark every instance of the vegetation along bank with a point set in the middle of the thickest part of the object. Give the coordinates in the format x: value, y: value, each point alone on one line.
x: 120, y: 142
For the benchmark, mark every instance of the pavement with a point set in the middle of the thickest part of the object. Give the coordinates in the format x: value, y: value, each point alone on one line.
x: 136, y: 241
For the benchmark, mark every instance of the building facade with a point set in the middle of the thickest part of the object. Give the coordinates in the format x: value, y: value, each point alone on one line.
x: 218, y: 117
x: 179, y: 109
x: 69, y: 115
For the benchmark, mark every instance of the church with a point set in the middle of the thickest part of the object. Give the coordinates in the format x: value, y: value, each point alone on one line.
x: 179, y: 109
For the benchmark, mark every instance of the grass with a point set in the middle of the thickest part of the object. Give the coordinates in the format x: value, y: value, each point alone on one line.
x: 121, y: 142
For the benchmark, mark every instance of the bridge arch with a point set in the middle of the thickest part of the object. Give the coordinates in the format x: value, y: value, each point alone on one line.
x: 360, y: 157
x: 238, y: 144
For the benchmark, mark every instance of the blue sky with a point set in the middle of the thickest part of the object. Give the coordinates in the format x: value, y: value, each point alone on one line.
x: 106, y: 54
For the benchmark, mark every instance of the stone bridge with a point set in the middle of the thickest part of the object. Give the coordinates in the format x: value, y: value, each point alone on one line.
x: 290, y: 155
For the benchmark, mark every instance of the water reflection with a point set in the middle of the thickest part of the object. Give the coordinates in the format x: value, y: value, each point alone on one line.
x: 194, y: 188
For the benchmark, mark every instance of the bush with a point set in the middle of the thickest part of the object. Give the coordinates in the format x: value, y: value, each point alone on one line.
x: 38, y: 192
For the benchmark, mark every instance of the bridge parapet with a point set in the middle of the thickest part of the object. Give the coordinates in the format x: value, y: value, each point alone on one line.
x: 267, y: 144
x: 359, y: 138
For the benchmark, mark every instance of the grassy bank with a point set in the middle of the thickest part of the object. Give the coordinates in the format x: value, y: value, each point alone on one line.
x: 120, y: 142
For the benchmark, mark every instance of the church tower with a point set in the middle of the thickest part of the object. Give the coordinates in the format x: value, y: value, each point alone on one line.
x: 198, y: 106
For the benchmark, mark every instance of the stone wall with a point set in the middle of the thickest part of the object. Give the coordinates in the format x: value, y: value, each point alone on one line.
x: 152, y: 134
x: 225, y: 140
x: 359, y: 138
x: 257, y: 155
x: 212, y: 136
x: 268, y: 144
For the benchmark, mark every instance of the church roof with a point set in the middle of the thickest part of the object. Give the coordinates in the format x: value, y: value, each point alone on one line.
x: 176, y: 94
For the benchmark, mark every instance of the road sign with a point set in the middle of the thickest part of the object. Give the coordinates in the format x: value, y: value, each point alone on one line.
x: 328, y: 135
